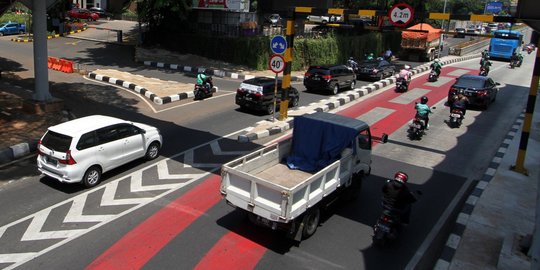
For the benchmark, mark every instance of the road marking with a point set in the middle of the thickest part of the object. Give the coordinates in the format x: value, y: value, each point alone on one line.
x: 375, y: 115
x: 458, y: 72
x: 410, y: 96
x: 440, y: 82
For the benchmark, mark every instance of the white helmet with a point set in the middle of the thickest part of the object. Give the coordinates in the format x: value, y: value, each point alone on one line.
x: 407, y: 67
x: 436, y: 59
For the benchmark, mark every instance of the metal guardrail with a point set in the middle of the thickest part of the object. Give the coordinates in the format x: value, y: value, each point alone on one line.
x: 459, y: 51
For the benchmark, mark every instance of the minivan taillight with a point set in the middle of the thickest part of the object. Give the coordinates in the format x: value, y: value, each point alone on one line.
x: 39, y: 146
x: 482, y: 93
x: 327, y: 77
x: 307, y: 74
x: 69, y: 159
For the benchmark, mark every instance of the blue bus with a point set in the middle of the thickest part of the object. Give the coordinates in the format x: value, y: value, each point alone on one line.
x: 504, y: 43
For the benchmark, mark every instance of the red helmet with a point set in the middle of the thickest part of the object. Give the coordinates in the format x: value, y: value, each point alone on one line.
x: 401, y: 177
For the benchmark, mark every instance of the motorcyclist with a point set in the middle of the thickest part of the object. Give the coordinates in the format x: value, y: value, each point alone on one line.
x: 397, y: 196
x: 485, y: 64
x: 203, y: 80
x: 436, y: 66
x: 485, y: 53
x: 406, y: 74
x: 520, y: 59
x: 460, y: 102
x: 423, y: 110
x: 514, y: 59
x: 388, y: 55
x: 370, y: 57
x: 351, y: 63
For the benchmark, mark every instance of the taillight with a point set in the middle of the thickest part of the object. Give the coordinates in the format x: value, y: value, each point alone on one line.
x: 327, y: 77
x: 456, y: 111
x: 307, y: 74
x: 39, y: 151
x: 258, y: 94
x: 69, y: 159
x: 482, y: 93
x: 386, y: 218
x: 453, y: 90
x: 239, y: 91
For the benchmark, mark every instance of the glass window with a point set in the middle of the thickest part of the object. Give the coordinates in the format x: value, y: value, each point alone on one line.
x: 127, y: 130
x: 87, y: 140
x: 107, y: 134
x: 56, y: 141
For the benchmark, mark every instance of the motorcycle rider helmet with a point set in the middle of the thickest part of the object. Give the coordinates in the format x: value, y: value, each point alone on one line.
x: 407, y: 67
x: 351, y: 58
x: 423, y: 100
x: 436, y: 60
x: 401, y: 177
x: 207, y: 72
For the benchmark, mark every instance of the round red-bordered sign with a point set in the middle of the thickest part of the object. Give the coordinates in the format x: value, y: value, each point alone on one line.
x: 276, y: 63
x: 401, y: 14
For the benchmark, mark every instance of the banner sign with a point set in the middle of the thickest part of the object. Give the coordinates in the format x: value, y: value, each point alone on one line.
x: 493, y: 7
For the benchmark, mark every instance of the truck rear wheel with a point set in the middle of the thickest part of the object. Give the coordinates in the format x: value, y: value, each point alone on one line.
x: 311, y: 222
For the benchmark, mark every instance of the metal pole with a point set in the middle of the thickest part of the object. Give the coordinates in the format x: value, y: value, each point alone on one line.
x: 286, y: 83
x: 442, y: 27
x: 275, y: 98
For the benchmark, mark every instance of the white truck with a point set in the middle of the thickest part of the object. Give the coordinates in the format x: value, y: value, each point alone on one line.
x: 329, y: 154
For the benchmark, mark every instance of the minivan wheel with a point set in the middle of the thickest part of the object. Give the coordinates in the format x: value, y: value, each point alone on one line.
x: 270, y: 109
x: 153, y: 151
x: 92, y: 177
x: 335, y: 89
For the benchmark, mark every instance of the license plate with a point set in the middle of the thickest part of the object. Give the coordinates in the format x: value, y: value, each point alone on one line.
x: 316, y: 78
x: 51, y: 160
x: 456, y: 115
x: 248, y: 98
x: 415, y: 126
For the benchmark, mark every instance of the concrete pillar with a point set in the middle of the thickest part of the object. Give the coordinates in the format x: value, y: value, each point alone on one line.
x: 41, y: 72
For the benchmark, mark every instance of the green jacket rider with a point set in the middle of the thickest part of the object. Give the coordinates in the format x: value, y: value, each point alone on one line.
x: 437, y: 66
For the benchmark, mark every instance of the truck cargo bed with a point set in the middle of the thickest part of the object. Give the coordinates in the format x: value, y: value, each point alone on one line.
x: 280, y: 174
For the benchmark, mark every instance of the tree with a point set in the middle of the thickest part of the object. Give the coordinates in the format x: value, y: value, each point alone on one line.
x: 162, y: 15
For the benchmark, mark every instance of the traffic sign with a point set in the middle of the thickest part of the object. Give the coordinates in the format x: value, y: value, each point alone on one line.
x: 276, y: 63
x: 401, y: 14
x: 278, y: 44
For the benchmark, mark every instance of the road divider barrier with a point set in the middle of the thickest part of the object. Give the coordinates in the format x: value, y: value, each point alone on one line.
x: 60, y: 64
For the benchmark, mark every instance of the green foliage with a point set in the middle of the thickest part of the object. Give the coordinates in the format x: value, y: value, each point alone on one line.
x: 13, y: 17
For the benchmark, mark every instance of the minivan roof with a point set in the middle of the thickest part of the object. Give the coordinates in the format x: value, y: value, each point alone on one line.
x: 85, y: 124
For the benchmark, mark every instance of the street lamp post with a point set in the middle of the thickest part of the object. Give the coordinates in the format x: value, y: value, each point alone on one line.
x: 442, y: 27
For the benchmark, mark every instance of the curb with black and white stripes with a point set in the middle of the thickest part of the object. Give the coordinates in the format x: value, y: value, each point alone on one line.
x: 143, y: 91
x: 341, y: 100
x: 213, y: 72
x: 21, y: 150
x: 463, y: 217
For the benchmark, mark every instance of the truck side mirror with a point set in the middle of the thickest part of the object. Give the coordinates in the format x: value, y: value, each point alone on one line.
x: 384, y: 138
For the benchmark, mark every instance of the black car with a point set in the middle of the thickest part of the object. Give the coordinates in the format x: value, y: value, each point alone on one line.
x: 480, y: 90
x: 377, y: 69
x: 329, y: 78
x: 258, y: 94
x: 460, y: 33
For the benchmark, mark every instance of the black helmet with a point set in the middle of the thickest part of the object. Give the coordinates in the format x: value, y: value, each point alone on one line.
x: 423, y: 100
x: 401, y: 177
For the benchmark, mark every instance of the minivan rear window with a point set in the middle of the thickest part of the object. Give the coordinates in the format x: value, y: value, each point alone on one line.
x: 320, y: 71
x: 56, y: 141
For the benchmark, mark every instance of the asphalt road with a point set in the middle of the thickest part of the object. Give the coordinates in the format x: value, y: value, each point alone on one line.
x: 164, y: 214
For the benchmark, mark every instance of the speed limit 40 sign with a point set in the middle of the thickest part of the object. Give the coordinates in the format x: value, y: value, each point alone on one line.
x: 276, y: 63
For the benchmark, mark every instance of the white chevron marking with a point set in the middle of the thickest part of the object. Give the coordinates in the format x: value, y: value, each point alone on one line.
x: 163, y: 172
x: 136, y: 184
x: 216, y: 150
x: 75, y: 213
x: 110, y: 191
x: 15, y: 257
x: 34, y: 229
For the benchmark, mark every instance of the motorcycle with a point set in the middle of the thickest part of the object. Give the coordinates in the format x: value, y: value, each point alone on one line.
x: 401, y: 85
x: 205, y: 90
x: 417, y: 128
x: 483, y: 71
x: 433, y: 76
x: 456, y: 117
x: 529, y: 49
x: 388, y: 226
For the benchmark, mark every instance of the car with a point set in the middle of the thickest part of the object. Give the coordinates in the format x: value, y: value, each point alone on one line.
x: 81, y: 150
x: 101, y: 12
x: 377, y: 69
x: 460, y: 33
x: 480, y: 90
x: 81, y: 13
x: 10, y: 28
x: 324, y: 19
x: 331, y: 78
x: 274, y: 19
x: 258, y: 94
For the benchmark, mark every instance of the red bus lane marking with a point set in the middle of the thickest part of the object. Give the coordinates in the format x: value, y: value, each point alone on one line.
x: 138, y: 246
x: 234, y: 251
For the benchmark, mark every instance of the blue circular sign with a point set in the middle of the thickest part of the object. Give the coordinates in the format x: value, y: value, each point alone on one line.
x: 278, y: 44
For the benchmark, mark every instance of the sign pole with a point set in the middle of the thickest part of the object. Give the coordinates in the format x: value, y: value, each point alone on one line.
x: 275, y: 98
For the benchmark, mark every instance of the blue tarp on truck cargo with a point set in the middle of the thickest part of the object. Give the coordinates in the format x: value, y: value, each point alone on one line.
x: 319, y: 139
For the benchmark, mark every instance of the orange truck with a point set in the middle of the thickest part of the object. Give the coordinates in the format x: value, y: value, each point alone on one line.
x: 421, y: 42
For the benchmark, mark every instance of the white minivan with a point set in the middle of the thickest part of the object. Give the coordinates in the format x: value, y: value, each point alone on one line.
x: 81, y: 150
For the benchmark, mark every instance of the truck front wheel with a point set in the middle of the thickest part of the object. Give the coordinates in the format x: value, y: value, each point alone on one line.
x: 311, y: 222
